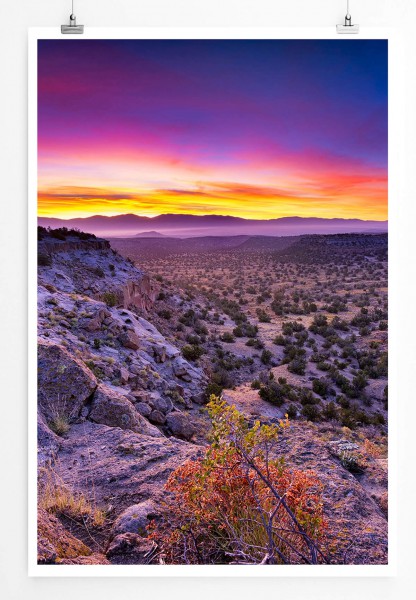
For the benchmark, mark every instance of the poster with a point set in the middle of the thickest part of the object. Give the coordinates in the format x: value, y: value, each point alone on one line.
x: 211, y: 385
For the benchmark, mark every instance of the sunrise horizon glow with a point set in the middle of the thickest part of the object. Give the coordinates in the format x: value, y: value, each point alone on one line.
x: 257, y: 129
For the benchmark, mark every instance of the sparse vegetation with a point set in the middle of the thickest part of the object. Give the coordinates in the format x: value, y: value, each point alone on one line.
x: 239, y: 505
x: 58, y: 498
x: 110, y: 298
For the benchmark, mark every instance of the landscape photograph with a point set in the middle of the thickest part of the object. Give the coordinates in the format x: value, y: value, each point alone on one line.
x: 212, y: 269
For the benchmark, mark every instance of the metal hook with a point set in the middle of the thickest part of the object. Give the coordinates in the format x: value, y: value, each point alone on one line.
x: 348, y: 27
x: 72, y: 27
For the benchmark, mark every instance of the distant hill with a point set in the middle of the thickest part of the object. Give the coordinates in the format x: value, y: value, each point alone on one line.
x: 150, y: 234
x: 174, y: 225
x: 304, y: 249
x: 136, y: 247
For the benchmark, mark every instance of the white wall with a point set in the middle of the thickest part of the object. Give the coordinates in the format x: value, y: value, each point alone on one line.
x: 16, y: 17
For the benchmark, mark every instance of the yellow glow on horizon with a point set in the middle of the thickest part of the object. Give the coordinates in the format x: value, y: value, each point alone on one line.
x: 244, y: 206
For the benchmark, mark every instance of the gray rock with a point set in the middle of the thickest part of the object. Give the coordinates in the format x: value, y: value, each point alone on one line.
x: 182, y: 369
x: 159, y: 353
x: 199, y: 398
x: 130, y: 548
x: 136, y: 518
x: 48, y: 442
x: 64, y: 382
x: 180, y: 425
x: 112, y: 409
x: 141, y: 395
x: 157, y: 417
x: 124, y: 375
x: 161, y: 404
x: 144, y: 409
x: 130, y: 340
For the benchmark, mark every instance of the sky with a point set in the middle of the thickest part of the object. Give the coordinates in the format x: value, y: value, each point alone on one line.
x: 257, y: 129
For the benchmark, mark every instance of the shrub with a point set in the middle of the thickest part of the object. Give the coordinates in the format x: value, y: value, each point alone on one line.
x: 59, y: 414
x: 306, y: 397
x: 320, y: 387
x: 297, y: 366
x: 292, y: 411
x: 263, y: 316
x: 213, y: 388
x: 255, y: 343
x: 245, y: 330
x: 311, y: 412
x: 228, y: 337
x: 44, y: 260
x: 272, y: 393
x: 99, y: 272
x: 192, y: 352
x: 165, y: 314
x: 237, y: 505
x: 238, y: 331
x: 110, y: 298
x: 266, y: 357
x: 59, y: 424
x: 351, y: 461
x: 330, y: 411
x: 290, y: 327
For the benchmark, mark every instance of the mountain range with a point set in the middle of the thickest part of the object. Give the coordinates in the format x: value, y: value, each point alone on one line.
x: 178, y: 225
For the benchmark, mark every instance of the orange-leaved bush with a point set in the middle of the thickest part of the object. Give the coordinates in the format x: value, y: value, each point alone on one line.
x: 240, y: 504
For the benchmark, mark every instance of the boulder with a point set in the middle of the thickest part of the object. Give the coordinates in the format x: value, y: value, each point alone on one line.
x: 182, y: 369
x: 124, y: 375
x: 136, y: 518
x: 112, y: 409
x: 159, y: 353
x: 157, y: 417
x: 180, y: 426
x: 64, y: 382
x: 129, y: 339
x: 161, y: 404
x: 199, y: 398
x: 130, y: 548
x: 144, y: 409
x: 93, y: 324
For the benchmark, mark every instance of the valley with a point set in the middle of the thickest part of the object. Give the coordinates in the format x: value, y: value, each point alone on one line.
x: 136, y: 334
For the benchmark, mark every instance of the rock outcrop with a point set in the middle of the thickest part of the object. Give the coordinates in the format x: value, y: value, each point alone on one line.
x: 136, y: 518
x: 124, y: 406
x: 91, y: 267
x: 111, y: 396
x: 64, y: 382
x: 111, y: 408
x: 56, y: 543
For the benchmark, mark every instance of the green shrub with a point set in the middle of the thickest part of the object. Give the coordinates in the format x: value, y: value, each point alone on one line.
x: 292, y: 411
x: 110, y: 298
x: 297, y: 366
x: 266, y: 357
x: 228, y: 337
x: 311, y: 412
x: 44, y: 260
x: 320, y: 387
x: 165, y: 314
x: 192, y: 352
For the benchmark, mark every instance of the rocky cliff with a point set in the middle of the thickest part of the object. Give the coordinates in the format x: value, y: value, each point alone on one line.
x: 92, y: 268
x: 119, y: 408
